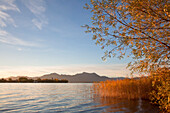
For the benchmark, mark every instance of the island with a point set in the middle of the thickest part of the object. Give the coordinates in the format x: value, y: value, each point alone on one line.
x: 29, y: 80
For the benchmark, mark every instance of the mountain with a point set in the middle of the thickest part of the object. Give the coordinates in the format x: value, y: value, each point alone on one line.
x: 79, y: 78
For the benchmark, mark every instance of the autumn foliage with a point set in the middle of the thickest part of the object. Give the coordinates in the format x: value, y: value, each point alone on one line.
x: 161, y: 88
x: 137, y: 28
x: 140, y: 29
x: 155, y: 87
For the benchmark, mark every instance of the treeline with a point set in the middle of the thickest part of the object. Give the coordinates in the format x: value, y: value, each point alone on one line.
x: 28, y: 80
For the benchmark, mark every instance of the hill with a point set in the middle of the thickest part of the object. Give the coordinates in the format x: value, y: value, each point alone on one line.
x: 79, y: 78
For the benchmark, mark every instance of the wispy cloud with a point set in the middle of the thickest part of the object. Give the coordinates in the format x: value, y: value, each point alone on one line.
x: 37, y: 7
x: 8, y: 5
x: 7, y: 38
x: 5, y: 18
x: 39, y: 23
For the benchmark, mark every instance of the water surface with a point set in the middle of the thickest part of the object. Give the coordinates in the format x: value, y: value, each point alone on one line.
x: 65, y: 98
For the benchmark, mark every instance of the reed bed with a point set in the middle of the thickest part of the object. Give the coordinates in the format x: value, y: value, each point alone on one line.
x: 155, y: 87
x: 126, y: 88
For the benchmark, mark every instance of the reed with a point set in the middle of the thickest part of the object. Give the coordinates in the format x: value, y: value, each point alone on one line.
x: 155, y: 87
x: 126, y: 88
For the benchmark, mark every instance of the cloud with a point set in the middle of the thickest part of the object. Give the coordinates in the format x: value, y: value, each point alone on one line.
x: 7, y: 38
x: 37, y: 7
x: 19, y: 49
x: 5, y: 18
x: 8, y: 5
x: 114, y: 70
x: 39, y: 23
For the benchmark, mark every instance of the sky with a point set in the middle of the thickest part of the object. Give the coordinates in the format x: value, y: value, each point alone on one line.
x: 38, y: 37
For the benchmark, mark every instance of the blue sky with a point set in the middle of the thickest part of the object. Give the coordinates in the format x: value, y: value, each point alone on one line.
x: 44, y: 36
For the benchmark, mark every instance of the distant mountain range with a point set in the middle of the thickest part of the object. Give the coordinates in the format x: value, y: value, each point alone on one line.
x: 77, y: 78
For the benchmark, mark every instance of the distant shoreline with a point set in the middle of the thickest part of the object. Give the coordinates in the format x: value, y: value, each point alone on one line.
x: 33, y: 82
x: 27, y: 80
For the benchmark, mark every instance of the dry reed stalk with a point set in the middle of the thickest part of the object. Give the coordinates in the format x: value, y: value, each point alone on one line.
x: 127, y: 88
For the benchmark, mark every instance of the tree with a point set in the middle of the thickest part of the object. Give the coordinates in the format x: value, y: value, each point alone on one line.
x: 140, y: 28
x: 10, y: 79
x: 23, y: 79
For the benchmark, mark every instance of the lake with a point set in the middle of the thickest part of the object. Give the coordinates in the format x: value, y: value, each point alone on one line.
x: 64, y: 98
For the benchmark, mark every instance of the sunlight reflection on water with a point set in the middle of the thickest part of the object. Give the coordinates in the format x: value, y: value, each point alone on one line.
x: 64, y: 97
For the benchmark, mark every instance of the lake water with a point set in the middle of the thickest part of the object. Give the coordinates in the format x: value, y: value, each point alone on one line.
x: 65, y: 98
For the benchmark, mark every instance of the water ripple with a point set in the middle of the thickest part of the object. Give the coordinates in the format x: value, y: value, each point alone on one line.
x: 64, y: 98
